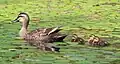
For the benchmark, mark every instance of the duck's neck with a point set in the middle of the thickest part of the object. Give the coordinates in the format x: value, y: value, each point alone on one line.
x: 23, y: 31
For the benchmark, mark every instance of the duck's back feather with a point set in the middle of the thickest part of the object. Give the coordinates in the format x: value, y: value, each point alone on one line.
x: 42, y: 35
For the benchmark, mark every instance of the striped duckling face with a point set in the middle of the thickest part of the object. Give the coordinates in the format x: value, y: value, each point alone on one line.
x: 96, y: 39
x: 91, y: 38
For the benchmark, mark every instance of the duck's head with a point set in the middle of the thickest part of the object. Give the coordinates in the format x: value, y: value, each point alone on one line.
x: 22, y: 18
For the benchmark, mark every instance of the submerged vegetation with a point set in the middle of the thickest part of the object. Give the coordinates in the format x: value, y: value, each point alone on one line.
x: 81, y: 17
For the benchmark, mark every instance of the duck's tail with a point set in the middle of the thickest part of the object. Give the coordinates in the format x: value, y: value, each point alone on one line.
x: 56, y: 49
x: 51, y: 47
x: 59, y: 38
x: 55, y: 30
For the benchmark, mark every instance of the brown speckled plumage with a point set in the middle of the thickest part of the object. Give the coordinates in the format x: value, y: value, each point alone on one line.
x: 39, y: 37
x: 77, y: 39
x: 96, y: 41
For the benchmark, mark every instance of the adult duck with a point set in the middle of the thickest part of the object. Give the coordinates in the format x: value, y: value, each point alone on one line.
x: 39, y: 37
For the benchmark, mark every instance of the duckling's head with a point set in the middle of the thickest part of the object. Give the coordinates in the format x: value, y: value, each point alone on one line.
x: 22, y: 18
x: 96, y: 39
x: 92, y: 36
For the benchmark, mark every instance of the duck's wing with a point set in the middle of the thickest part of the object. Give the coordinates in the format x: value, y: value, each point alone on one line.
x: 46, y: 30
x: 36, y: 35
x: 54, y: 30
x: 45, y: 34
x: 58, y: 37
x: 42, y: 37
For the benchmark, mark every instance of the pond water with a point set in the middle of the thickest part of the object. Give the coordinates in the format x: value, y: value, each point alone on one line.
x: 15, y: 51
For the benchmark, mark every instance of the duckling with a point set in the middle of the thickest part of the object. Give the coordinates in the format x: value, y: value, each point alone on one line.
x: 91, y: 39
x: 75, y: 38
x: 96, y: 41
x: 38, y: 36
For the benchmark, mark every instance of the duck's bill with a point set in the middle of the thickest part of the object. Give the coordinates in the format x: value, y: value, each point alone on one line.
x: 16, y: 20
